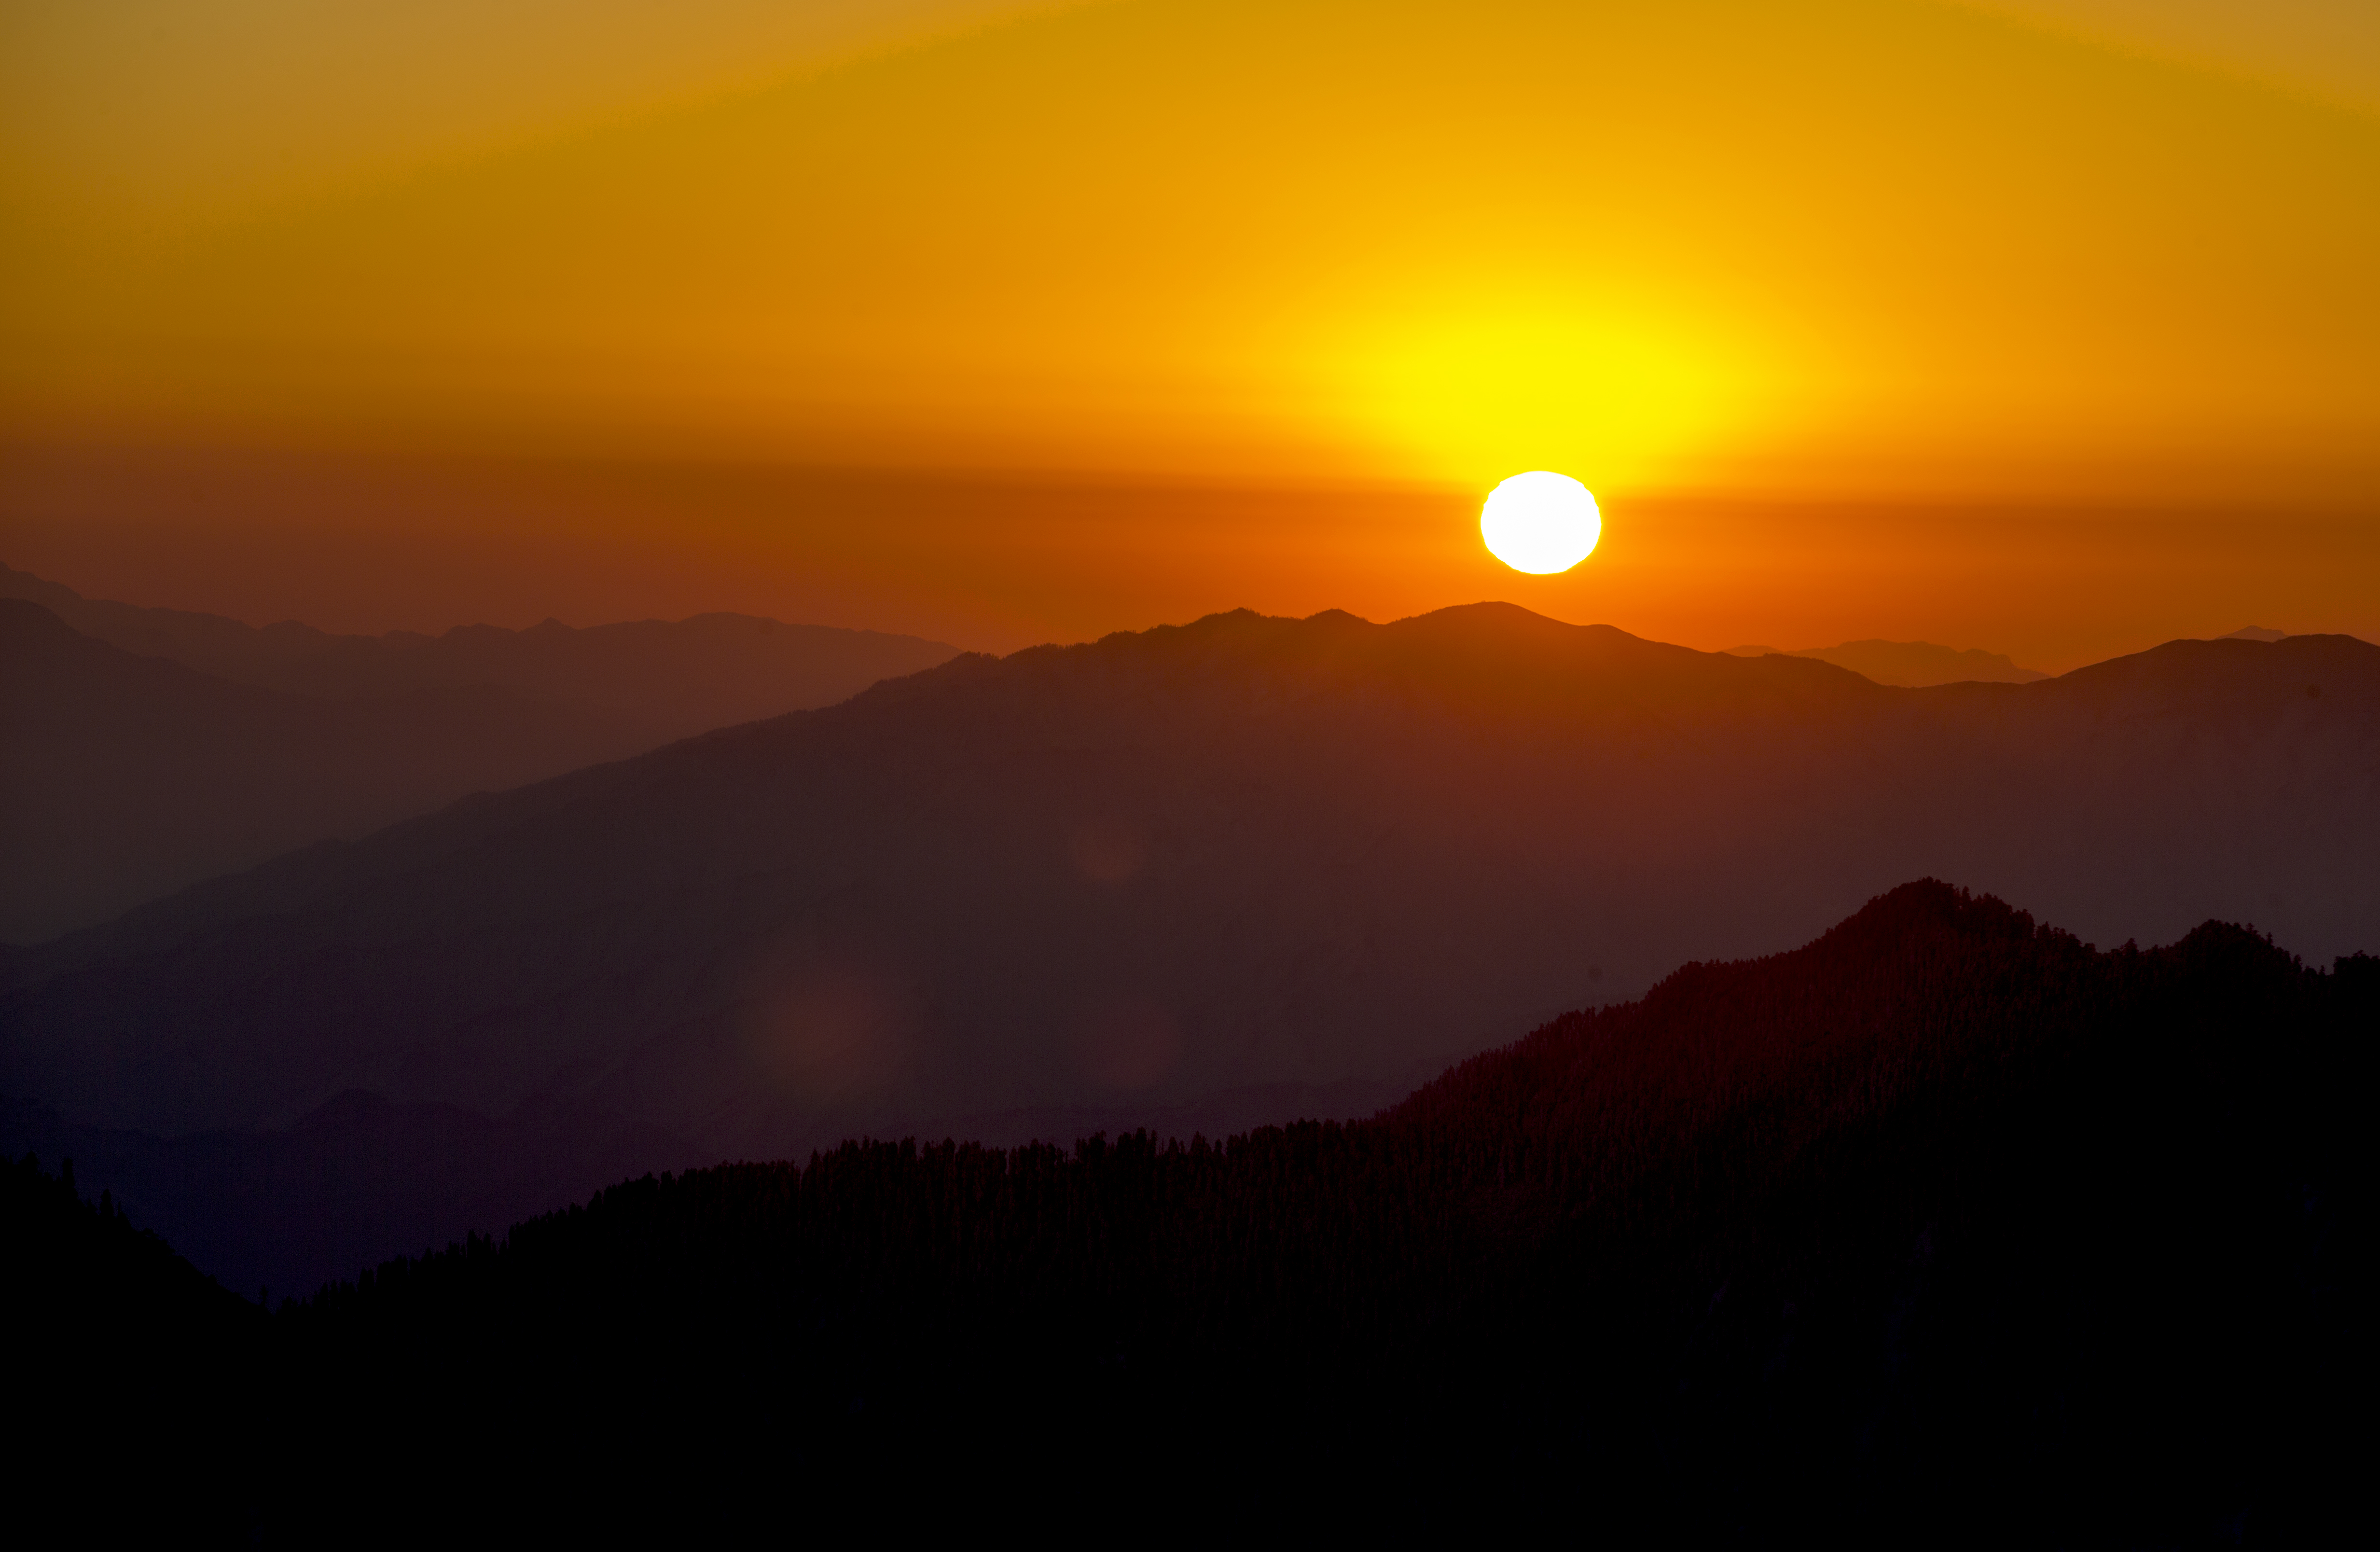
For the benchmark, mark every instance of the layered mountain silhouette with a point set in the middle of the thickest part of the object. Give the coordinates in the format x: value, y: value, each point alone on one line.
x: 1244, y: 854
x: 662, y: 679
x: 150, y: 748
x: 1942, y: 1227
x: 1912, y: 664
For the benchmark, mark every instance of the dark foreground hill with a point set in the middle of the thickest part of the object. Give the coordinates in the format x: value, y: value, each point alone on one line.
x: 144, y: 749
x: 1002, y: 899
x: 1944, y: 1228
x: 289, y: 1209
x: 132, y: 1378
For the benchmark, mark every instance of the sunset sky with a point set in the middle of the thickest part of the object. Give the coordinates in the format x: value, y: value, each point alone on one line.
x: 2047, y: 327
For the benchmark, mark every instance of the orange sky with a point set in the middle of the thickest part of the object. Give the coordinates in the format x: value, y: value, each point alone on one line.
x: 2017, y: 326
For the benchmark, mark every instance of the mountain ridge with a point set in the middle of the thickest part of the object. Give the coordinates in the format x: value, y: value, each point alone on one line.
x: 1242, y: 852
x: 1909, y: 664
x: 644, y: 669
x: 127, y: 777
x: 129, y: 782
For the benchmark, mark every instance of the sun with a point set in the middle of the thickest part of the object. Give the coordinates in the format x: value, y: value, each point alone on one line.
x: 1540, y: 521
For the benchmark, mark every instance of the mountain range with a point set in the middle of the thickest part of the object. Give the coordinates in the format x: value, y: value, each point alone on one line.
x: 1305, y: 862
x: 150, y: 748
x: 1912, y: 664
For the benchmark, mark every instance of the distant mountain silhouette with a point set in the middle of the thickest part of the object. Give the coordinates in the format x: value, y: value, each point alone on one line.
x: 166, y: 747
x: 1130, y: 875
x: 1944, y: 1229
x: 2256, y: 633
x: 124, y: 778
x: 1912, y: 664
x: 659, y: 680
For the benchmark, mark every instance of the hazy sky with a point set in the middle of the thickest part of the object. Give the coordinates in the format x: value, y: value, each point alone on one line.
x: 1849, y: 255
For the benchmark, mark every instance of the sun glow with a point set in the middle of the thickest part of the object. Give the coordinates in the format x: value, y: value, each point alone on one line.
x: 1540, y: 521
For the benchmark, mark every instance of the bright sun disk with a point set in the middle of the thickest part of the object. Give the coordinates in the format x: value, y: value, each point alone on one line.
x: 1540, y: 521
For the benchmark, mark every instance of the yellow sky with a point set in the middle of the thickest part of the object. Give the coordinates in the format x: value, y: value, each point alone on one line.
x: 2065, y: 251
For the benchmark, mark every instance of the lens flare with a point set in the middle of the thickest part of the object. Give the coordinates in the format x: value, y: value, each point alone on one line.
x: 1540, y: 521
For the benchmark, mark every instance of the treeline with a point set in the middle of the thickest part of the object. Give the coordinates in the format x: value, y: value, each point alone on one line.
x: 1946, y: 1214
x: 1945, y: 1227
x: 76, y: 1266
x: 132, y: 1376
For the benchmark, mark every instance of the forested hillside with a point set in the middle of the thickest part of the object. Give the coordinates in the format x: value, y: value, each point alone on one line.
x: 1945, y: 1226
x: 136, y: 1382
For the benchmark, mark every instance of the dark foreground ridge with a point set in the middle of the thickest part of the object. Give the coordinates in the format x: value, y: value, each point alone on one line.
x: 1944, y: 1226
